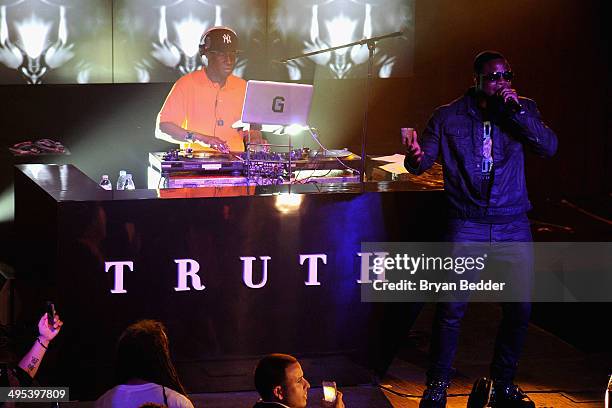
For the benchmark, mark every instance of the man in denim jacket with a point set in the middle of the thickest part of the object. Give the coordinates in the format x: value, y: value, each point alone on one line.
x: 481, y: 138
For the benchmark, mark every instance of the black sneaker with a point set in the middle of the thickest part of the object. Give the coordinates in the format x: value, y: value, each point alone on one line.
x: 510, y: 396
x: 435, y: 395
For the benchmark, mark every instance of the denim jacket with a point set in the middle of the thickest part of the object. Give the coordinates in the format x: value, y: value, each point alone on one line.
x: 455, y: 133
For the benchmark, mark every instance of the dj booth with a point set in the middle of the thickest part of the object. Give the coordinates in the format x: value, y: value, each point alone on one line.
x: 234, y: 273
x: 197, y: 169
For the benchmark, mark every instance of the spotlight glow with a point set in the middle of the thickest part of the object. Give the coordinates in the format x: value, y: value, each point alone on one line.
x: 608, y: 391
x: 33, y: 35
x: 293, y: 130
x: 288, y: 203
x: 188, y: 32
x: 7, y: 205
x: 340, y: 29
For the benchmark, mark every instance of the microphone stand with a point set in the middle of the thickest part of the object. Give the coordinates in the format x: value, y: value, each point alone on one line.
x: 371, y: 43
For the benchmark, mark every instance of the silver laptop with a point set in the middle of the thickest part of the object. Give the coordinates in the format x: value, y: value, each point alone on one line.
x: 276, y: 103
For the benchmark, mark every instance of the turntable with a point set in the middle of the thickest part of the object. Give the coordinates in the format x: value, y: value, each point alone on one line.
x: 177, y: 168
x: 196, y: 163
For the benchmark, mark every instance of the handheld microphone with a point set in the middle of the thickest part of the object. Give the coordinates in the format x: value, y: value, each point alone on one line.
x: 513, y: 105
x: 510, y: 104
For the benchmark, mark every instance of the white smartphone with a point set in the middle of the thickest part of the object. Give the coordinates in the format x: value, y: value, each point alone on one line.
x: 329, y: 391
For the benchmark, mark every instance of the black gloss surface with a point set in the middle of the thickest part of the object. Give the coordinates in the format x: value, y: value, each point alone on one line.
x: 79, y: 228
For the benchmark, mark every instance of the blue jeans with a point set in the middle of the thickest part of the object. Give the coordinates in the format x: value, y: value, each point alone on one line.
x: 513, y: 326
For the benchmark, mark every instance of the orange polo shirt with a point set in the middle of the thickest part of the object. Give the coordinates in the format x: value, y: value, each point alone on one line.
x: 197, y: 104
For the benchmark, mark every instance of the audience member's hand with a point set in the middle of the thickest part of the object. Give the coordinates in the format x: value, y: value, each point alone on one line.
x: 46, y: 332
x: 338, y: 403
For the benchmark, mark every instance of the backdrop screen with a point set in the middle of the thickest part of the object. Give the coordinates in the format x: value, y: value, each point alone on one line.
x: 298, y: 26
x: 93, y: 41
x: 55, y: 41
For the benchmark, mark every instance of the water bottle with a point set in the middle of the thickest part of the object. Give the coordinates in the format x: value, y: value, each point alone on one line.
x: 105, y: 183
x: 121, y: 180
x: 129, y: 183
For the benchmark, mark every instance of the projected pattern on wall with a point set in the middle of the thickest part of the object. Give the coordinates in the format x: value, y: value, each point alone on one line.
x: 302, y: 26
x: 157, y: 41
x: 55, y: 41
x: 85, y: 41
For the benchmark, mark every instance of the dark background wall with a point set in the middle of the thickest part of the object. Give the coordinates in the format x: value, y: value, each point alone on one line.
x: 558, y: 49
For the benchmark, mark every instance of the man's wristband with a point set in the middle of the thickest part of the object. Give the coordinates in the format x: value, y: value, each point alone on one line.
x: 42, y: 344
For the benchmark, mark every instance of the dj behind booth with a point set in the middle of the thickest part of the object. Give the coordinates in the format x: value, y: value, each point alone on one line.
x: 218, y: 123
x: 241, y: 247
x: 281, y: 108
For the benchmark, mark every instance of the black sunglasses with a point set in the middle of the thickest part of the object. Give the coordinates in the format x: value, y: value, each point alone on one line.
x: 496, y: 76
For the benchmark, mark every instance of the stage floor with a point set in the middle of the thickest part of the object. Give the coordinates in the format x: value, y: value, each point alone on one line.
x: 552, y: 372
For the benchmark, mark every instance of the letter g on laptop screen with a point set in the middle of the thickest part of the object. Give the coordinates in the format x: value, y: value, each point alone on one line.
x: 277, y: 103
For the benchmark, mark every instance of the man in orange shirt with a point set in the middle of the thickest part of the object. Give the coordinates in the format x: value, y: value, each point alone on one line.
x: 203, y: 105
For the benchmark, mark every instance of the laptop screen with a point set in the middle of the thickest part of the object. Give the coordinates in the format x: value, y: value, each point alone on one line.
x: 276, y: 103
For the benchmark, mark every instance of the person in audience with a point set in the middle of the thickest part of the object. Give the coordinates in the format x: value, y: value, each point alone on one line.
x: 23, y: 374
x: 280, y: 382
x: 144, y: 372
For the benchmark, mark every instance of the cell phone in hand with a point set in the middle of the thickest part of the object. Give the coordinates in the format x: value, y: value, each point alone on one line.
x: 329, y: 391
x: 407, y: 135
x: 50, y: 314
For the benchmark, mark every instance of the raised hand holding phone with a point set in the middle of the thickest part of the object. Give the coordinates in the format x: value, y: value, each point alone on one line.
x: 50, y: 314
x: 49, y: 324
x: 329, y: 391
x: 332, y: 397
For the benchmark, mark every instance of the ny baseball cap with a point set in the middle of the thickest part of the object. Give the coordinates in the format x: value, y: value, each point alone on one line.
x: 219, y: 38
